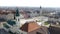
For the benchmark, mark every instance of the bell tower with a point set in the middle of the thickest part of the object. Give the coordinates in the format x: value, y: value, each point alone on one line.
x: 40, y: 11
x: 17, y: 17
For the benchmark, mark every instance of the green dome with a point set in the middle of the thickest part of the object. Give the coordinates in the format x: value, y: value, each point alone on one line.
x: 17, y: 12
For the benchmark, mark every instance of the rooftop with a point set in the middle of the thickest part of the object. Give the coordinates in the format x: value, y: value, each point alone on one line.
x: 2, y: 31
x: 30, y: 26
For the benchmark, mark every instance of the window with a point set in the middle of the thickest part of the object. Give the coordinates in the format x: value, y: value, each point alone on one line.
x: 38, y: 33
x: 18, y: 19
x: 14, y: 17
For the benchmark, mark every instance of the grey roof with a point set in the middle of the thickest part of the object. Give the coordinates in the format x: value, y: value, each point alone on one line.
x: 2, y: 31
x: 2, y: 20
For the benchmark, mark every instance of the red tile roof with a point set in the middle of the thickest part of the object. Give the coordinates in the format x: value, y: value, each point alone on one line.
x: 30, y: 26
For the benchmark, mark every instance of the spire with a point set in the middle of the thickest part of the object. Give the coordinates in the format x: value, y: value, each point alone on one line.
x: 40, y: 10
x: 40, y: 7
x: 17, y: 12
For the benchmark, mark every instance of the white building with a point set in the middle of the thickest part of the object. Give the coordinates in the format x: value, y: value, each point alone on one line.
x: 13, y: 25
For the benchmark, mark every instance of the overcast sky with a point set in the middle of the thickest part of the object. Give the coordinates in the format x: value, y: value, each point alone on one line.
x: 30, y: 3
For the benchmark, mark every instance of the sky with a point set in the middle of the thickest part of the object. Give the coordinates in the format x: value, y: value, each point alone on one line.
x: 30, y: 3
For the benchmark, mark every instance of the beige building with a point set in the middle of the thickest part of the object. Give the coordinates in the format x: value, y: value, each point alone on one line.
x: 10, y: 16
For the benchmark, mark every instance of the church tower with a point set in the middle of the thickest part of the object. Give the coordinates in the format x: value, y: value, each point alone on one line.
x: 40, y: 11
x: 17, y: 17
